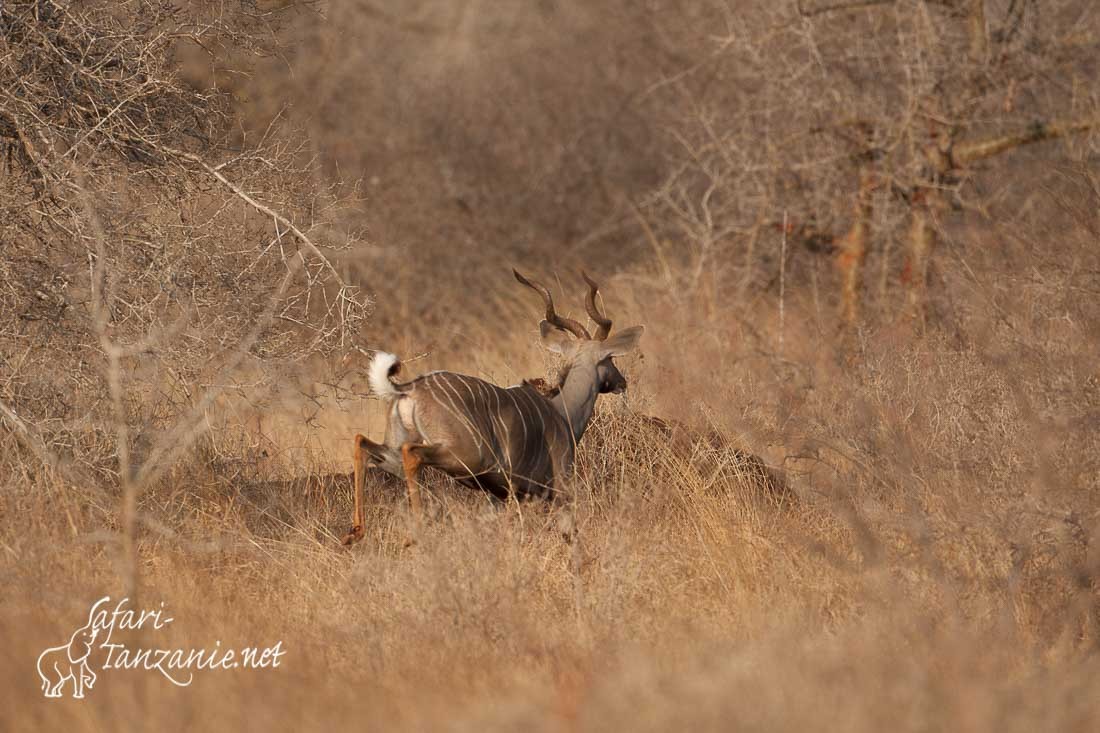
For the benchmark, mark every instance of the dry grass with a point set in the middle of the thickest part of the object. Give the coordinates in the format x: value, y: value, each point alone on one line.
x: 929, y: 562
x: 937, y: 569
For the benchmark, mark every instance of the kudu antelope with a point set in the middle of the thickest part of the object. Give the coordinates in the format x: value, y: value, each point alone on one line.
x: 511, y: 441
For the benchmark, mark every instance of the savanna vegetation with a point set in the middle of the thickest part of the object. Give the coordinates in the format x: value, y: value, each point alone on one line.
x: 854, y: 483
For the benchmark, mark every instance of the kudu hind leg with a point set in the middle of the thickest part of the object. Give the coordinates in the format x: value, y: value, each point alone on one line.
x: 412, y: 457
x: 359, y: 457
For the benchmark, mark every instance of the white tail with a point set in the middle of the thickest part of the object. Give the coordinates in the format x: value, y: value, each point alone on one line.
x: 381, y: 366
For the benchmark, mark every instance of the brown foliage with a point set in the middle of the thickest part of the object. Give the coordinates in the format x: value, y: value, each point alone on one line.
x: 132, y: 221
x: 934, y: 565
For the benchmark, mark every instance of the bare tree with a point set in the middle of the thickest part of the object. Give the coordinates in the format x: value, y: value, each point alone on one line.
x: 153, y: 254
x: 871, y: 122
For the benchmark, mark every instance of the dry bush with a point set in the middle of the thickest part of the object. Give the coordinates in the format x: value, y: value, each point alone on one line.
x: 142, y: 243
x: 874, y: 132
x: 155, y: 261
x: 936, y: 567
x: 936, y: 571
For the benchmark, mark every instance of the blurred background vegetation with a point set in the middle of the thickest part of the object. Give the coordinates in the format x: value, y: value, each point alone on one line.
x: 862, y: 234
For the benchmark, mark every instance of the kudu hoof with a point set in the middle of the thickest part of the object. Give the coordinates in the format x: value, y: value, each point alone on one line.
x: 354, y: 535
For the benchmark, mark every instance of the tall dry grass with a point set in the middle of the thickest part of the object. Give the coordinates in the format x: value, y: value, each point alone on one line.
x: 931, y: 564
x: 936, y: 569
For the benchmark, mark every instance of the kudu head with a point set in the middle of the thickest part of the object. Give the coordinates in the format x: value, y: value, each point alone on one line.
x: 584, y: 352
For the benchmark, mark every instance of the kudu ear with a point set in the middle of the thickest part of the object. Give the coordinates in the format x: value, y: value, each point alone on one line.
x: 623, y: 342
x: 554, y: 339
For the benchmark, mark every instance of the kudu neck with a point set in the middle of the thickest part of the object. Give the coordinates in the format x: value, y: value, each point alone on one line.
x: 576, y: 399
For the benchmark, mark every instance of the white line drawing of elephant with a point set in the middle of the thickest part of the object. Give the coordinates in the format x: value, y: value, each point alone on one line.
x: 59, y: 664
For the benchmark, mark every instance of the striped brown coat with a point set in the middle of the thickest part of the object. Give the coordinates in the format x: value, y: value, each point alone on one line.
x: 501, y: 439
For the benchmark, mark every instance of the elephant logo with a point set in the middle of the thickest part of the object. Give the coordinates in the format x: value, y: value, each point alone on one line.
x: 60, y: 664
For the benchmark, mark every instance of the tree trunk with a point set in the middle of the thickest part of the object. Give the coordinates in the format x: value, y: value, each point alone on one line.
x: 852, y: 248
x: 922, y: 242
x: 978, y: 32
